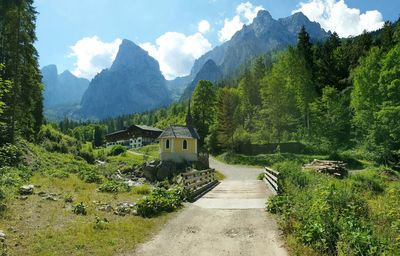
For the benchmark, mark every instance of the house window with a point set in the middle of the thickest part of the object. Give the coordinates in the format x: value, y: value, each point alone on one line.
x: 185, y: 146
x: 167, y: 144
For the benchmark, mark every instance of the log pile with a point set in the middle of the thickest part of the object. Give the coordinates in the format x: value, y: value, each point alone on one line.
x: 335, y: 168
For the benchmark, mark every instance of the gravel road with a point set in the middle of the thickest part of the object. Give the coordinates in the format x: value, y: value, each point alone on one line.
x: 229, y: 220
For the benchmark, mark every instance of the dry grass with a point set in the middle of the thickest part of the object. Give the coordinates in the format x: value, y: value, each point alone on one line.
x: 36, y: 226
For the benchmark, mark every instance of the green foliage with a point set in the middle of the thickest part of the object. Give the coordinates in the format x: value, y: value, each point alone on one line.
x: 89, y: 175
x: 54, y: 141
x: 117, y: 150
x: 10, y: 155
x: 161, y: 200
x: 112, y: 186
x: 203, y: 107
x: 101, y: 223
x: 80, y: 209
x: 331, y: 216
x: 144, y: 189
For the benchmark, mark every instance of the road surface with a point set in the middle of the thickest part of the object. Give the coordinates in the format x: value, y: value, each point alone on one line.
x: 229, y: 220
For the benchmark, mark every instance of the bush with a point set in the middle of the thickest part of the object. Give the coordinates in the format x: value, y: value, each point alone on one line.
x: 101, y: 224
x: 90, y: 176
x: 10, y: 155
x: 113, y: 187
x: 161, y: 200
x: 87, y: 156
x: 55, y: 141
x: 142, y: 189
x: 117, y: 150
x: 80, y: 209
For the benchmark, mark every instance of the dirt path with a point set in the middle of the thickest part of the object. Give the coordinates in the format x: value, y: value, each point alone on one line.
x: 229, y: 220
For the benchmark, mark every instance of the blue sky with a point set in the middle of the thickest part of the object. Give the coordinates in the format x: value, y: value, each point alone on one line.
x: 93, y: 28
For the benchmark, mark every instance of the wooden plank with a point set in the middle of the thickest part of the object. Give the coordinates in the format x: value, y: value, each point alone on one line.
x: 271, y: 176
x: 272, y: 171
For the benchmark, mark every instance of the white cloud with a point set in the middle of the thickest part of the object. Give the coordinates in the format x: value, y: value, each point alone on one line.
x: 245, y: 14
x: 204, y: 26
x: 177, y: 52
x: 335, y: 15
x: 92, y: 55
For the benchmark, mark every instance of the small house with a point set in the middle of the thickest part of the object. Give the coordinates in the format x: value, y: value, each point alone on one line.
x: 178, y: 143
x: 134, y: 136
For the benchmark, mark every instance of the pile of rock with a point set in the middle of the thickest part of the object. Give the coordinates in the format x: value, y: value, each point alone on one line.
x: 26, y: 190
x: 121, y: 209
x: 335, y: 168
x: 48, y: 196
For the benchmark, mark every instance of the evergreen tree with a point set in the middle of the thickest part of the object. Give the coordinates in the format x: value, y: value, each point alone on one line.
x: 17, y: 35
x: 203, y: 107
x: 304, y: 46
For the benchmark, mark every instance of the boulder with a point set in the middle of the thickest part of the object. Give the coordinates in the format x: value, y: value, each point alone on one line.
x: 2, y: 236
x: 165, y: 170
x: 26, y: 190
x: 150, y: 172
x: 123, y: 209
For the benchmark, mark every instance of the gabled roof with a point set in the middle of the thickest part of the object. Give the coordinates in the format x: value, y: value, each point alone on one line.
x: 180, y: 131
x: 148, y: 128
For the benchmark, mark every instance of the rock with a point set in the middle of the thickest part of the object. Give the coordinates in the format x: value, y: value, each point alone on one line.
x: 150, y: 172
x: 51, y: 198
x: 123, y: 209
x: 26, y: 190
x: 2, y: 236
x: 22, y: 197
x: 105, y: 208
x: 165, y: 170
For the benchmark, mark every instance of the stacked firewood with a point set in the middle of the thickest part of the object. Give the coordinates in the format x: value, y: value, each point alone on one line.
x: 335, y: 168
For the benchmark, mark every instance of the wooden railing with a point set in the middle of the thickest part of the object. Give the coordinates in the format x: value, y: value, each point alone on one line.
x: 271, y: 178
x: 198, y: 182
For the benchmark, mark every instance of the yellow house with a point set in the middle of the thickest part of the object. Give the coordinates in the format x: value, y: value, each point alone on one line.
x: 178, y: 143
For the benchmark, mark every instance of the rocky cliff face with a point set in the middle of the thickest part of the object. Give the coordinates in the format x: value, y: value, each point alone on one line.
x: 210, y: 71
x: 264, y: 35
x: 63, y: 89
x: 133, y: 84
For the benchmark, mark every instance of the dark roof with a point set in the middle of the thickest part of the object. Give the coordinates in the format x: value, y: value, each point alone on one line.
x: 180, y: 131
x: 148, y: 128
x: 142, y: 127
x: 117, y: 132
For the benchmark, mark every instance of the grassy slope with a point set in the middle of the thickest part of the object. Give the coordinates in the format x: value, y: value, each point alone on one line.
x: 36, y: 226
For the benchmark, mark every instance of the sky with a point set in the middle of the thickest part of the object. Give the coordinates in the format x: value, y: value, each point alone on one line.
x: 83, y: 36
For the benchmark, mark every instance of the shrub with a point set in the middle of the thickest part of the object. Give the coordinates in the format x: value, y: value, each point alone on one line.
x: 80, y: 209
x: 10, y: 155
x: 117, y: 150
x: 90, y: 176
x: 161, y: 200
x: 101, y: 224
x: 55, y: 141
x: 362, y: 183
x: 142, y: 189
x: 87, y: 156
x: 113, y: 187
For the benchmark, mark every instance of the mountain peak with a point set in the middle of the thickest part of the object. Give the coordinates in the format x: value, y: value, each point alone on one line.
x: 131, y: 56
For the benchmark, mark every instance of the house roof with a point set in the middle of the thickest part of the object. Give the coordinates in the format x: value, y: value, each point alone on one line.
x: 142, y: 127
x: 148, y: 128
x: 180, y: 131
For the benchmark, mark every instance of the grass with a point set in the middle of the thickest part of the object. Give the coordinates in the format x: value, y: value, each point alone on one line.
x: 37, y: 226
x: 151, y: 151
x: 219, y: 175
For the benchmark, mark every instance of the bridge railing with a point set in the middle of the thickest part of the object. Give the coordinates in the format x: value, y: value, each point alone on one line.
x: 198, y: 182
x: 271, y: 178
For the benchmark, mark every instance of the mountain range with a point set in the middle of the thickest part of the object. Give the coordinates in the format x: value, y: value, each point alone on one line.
x: 134, y: 82
x: 62, y: 89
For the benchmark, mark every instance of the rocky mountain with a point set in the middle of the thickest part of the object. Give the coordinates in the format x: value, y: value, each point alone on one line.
x: 210, y: 71
x: 264, y: 35
x: 134, y: 83
x: 62, y: 89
